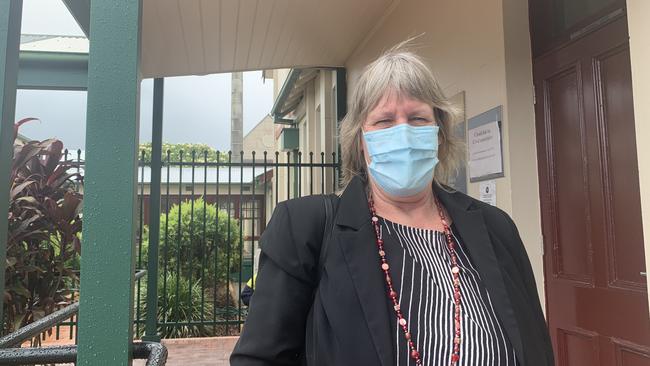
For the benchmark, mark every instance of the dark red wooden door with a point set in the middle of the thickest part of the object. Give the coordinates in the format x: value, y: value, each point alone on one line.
x: 596, y: 295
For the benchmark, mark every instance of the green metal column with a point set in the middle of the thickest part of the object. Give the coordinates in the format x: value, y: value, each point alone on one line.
x: 108, y: 250
x: 151, y: 333
x: 10, y: 17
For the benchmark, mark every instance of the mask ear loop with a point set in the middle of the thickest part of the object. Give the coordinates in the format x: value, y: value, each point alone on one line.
x: 363, y: 173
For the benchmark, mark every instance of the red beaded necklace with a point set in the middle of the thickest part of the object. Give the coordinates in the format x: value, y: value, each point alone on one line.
x: 392, y: 294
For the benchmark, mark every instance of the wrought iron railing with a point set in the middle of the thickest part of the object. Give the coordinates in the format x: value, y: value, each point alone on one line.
x: 208, y: 247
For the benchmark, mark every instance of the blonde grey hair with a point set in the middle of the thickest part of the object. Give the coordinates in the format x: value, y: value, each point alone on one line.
x: 403, y: 72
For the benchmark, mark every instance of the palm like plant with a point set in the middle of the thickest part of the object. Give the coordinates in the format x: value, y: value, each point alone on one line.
x: 44, y: 227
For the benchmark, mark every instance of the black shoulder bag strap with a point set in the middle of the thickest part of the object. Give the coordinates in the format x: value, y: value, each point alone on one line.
x: 327, y: 233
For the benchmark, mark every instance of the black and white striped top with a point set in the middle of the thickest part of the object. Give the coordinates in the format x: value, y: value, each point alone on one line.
x: 421, y: 272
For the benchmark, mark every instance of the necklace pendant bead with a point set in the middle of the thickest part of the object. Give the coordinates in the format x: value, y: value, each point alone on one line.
x: 455, y: 269
x: 415, y: 354
x: 402, y: 321
x: 385, y: 266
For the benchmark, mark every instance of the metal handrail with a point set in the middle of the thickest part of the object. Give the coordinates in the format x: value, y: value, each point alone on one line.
x: 33, y: 329
x: 154, y: 353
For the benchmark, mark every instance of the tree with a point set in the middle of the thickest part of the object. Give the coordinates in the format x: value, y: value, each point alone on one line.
x: 176, y: 149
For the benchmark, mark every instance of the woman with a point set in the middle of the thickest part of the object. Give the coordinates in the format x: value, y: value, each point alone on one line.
x: 409, y: 272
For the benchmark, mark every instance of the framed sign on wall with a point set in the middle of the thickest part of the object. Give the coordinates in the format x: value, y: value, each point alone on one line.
x: 484, y: 146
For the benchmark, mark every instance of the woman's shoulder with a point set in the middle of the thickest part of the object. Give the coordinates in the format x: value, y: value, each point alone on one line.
x: 307, y: 209
x: 310, y: 202
x: 293, y: 236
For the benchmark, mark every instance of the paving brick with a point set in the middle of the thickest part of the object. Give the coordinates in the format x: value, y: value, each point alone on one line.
x: 213, y: 351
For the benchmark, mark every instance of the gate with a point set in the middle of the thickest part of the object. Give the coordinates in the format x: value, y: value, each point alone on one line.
x: 209, y: 244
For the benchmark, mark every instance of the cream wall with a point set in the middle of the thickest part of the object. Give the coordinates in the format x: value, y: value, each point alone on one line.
x: 261, y: 138
x: 638, y: 16
x: 486, y: 53
x: 279, y: 76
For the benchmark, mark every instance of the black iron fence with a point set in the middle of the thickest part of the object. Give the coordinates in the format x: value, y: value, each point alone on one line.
x: 213, y: 209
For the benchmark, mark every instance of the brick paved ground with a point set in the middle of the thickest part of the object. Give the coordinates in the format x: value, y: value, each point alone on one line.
x: 197, y: 351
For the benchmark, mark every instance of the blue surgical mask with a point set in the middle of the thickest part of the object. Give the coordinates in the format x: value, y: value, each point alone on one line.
x: 403, y: 158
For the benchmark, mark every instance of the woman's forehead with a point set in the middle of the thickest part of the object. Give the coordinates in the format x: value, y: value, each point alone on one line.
x: 392, y: 99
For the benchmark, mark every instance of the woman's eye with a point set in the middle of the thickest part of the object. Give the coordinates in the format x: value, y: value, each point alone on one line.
x: 421, y: 120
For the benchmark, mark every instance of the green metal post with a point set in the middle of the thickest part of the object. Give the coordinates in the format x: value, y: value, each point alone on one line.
x: 10, y: 17
x: 108, y: 250
x: 151, y: 333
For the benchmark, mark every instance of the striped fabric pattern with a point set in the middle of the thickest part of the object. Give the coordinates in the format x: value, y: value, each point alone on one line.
x: 420, y: 267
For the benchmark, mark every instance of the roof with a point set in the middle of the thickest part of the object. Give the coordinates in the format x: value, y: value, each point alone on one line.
x: 237, y: 175
x: 291, y: 93
x: 22, y: 138
x: 53, y: 43
x: 202, y: 37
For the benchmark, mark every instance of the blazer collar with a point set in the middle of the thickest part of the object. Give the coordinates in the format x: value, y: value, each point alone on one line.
x: 358, y: 246
x: 354, y: 212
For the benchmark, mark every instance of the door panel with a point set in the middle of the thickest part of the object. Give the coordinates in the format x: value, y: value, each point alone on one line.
x: 630, y: 355
x: 571, y: 205
x: 614, y: 94
x: 577, y: 346
x: 597, y: 304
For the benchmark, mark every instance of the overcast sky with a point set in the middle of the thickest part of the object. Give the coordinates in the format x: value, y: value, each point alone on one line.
x: 197, y: 108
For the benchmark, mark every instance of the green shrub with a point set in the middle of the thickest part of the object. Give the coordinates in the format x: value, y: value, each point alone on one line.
x: 186, y: 251
x: 186, y: 307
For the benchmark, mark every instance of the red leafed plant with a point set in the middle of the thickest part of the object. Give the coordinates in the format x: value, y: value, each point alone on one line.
x: 44, y: 227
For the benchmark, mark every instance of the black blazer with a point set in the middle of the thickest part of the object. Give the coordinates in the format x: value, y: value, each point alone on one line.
x: 344, y: 318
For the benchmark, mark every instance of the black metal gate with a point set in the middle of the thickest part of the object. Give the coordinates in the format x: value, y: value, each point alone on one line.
x: 209, y: 243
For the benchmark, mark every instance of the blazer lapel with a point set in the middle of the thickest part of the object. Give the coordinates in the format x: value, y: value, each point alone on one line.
x: 359, y: 249
x: 472, y: 229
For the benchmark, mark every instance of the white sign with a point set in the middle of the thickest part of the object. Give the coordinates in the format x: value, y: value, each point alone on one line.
x: 488, y: 192
x: 484, y: 144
